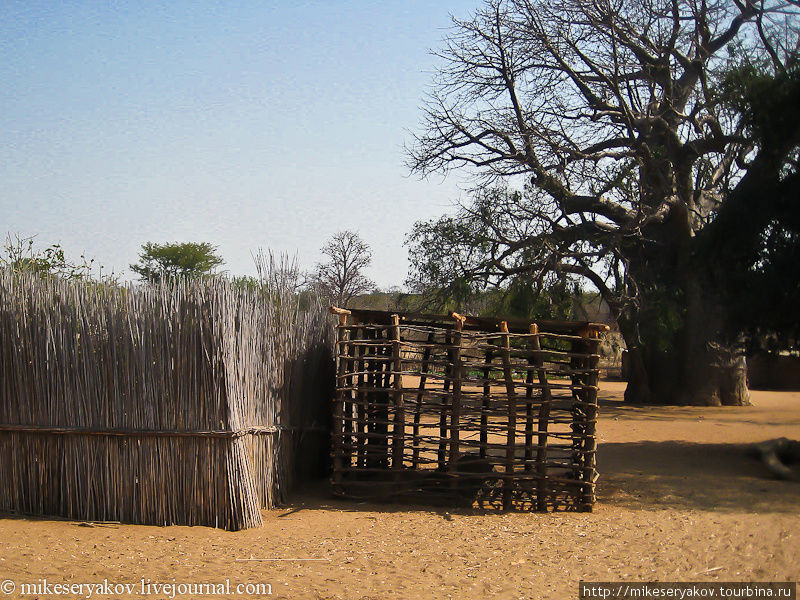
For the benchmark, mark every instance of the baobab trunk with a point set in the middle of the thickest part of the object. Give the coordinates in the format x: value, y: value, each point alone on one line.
x: 713, y: 378
x: 691, y: 368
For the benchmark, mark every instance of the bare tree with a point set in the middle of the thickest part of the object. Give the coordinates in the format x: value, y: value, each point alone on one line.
x: 609, y: 111
x: 342, y: 276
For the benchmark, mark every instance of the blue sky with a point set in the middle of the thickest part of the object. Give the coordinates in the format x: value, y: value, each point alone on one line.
x: 270, y: 124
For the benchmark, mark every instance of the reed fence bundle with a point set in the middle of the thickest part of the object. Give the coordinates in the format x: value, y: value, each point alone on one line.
x: 464, y: 410
x: 193, y: 402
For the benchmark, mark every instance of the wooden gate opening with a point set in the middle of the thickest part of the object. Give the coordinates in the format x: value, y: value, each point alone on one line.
x: 459, y: 410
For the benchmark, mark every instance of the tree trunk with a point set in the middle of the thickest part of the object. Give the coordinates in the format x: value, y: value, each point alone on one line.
x: 716, y: 377
x: 674, y: 331
x: 686, y: 365
x: 699, y: 372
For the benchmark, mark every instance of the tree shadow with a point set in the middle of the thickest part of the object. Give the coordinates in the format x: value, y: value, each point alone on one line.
x: 686, y: 475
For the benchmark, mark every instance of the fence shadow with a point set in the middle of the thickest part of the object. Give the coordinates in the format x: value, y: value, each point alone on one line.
x: 633, y: 475
x: 318, y: 495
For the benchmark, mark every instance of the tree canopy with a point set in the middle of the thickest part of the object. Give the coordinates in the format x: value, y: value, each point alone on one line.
x: 758, y: 236
x: 159, y: 262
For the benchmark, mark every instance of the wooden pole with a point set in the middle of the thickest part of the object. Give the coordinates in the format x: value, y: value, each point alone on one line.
x: 349, y: 404
x: 338, y: 408
x: 543, y: 424
x: 386, y: 397
x: 590, y: 439
x: 579, y: 365
x: 533, y: 330
x: 455, y: 413
x: 487, y: 390
x: 511, y: 399
x: 426, y: 355
x: 398, y: 431
x: 448, y: 371
x: 383, y: 397
x: 360, y: 413
x: 371, y: 399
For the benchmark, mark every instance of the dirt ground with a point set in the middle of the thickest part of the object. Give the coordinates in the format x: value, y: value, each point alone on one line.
x: 680, y: 499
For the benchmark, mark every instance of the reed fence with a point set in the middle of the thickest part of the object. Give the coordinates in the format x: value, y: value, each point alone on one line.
x: 194, y: 403
x: 464, y: 410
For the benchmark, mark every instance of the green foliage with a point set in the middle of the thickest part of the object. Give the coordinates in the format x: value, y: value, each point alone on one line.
x: 21, y: 254
x: 246, y: 283
x: 766, y: 103
x: 528, y: 299
x: 158, y: 262
x: 460, y: 263
x: 391, y: 299
x: 757, y: 237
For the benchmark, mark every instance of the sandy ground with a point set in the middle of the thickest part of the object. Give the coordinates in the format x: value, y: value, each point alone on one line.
x: 680, y: 500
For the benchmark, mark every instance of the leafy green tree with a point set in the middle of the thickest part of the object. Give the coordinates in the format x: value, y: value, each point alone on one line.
x: 160, y: 262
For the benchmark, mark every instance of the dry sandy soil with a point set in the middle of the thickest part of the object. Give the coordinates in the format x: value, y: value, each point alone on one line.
x: 680, y: 500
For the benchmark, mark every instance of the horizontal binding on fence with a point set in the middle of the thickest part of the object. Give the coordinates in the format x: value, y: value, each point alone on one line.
x: 372, y: 318
x: 156, y: 433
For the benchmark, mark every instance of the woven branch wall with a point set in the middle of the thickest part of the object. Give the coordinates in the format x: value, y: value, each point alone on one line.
x: 187, y: 403
x: 463, y: 410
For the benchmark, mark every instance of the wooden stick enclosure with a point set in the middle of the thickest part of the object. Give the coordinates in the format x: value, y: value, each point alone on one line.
x: 194, y: 403
x: 460, y: 410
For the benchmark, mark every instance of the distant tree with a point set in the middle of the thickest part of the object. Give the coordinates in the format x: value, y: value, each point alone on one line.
x: 246, y: 282
x: 21, y: 254
x: 158, y: 262
x: 342, y: 276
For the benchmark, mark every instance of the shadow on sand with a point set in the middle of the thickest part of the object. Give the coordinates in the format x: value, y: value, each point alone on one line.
x: 718, y: 477
x: 637, y: 476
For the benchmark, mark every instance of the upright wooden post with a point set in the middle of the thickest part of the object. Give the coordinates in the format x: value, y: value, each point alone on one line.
x: 487, y: 391
x: 455, y: 413
x: 399, y: 426
x: 371, y: 441
x: 579, y: 366
x: 543, y: 424
x: 349, y: 405
x: 533, y: 330
x: 441, y: 457
x: 426, y: 355
x: 338, y: 407
x: 385, y: 397
x: 590, y: 440
x: 360, y: 425
x: 508, y: 481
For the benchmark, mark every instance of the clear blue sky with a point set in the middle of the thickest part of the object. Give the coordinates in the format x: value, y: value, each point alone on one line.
x: 271, y: 124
